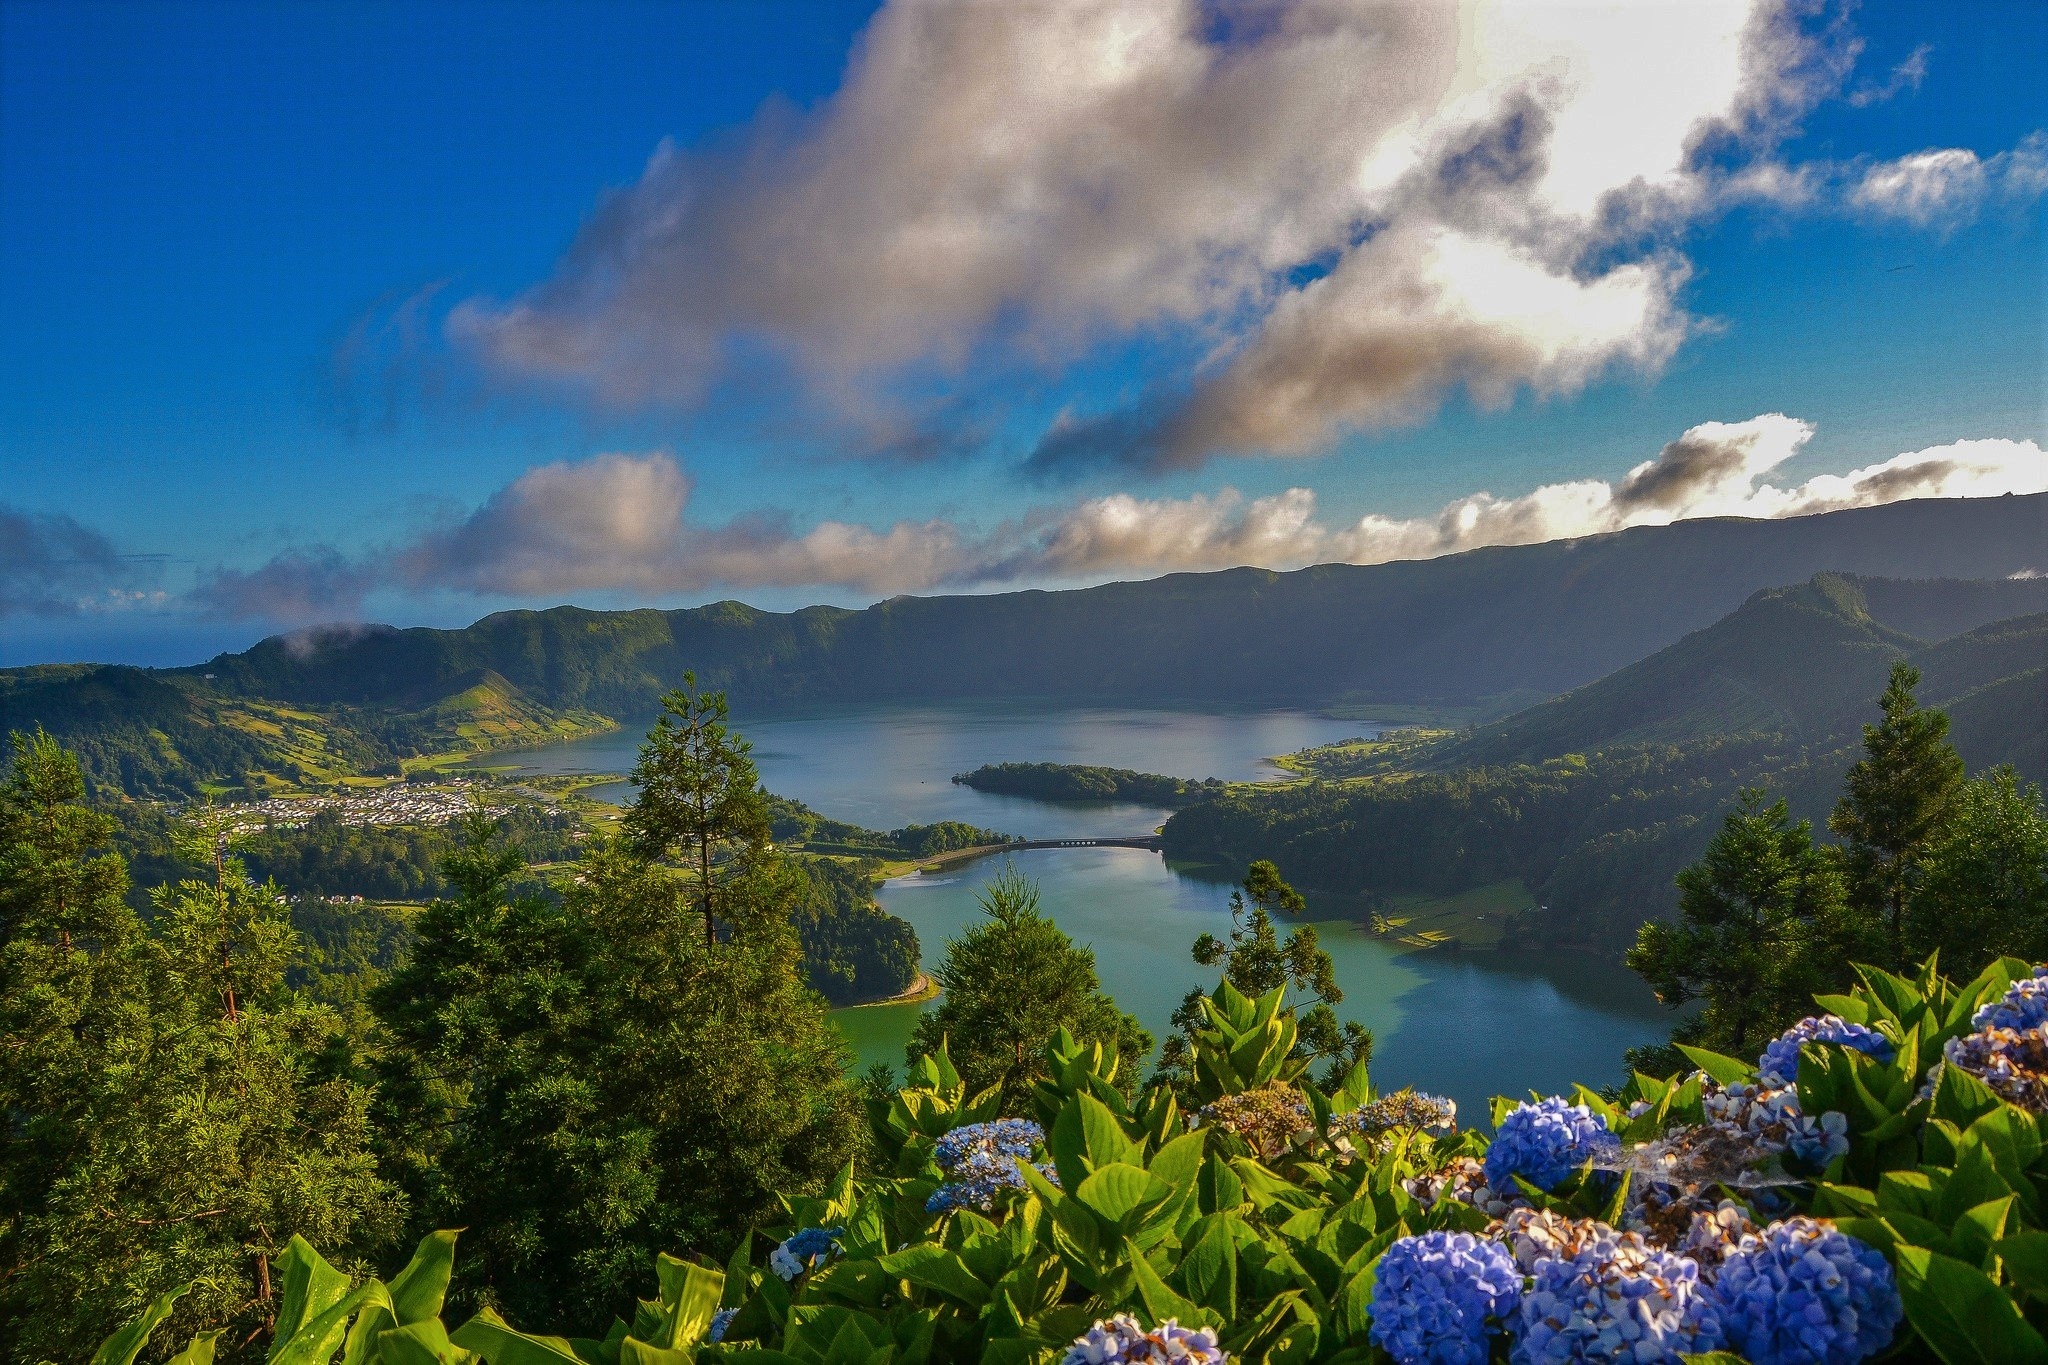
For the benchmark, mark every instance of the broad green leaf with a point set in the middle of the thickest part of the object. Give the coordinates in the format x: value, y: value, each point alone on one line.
x: 939, y: 1270
x: 418, y: 1290
x: 689, y: 1296
x: 489, y: 1336
x: 1159, y: 1299
x: 1726, y: 1070
x: 361, y: 1345
x: 1849, y: 1007
x: 1974, y: 1181
x: 198, y: 1352
x: 123, y: 1346
x: 1208, y: 1266
x: 1965, y: 1317
x: 1117, y: 1191
x: 418, y: 1343
x: 311, y: 1286
x: 317, y: 1341
x: 633, y: 1351
x: 1976, y: 1233
x: 2025, y: 1255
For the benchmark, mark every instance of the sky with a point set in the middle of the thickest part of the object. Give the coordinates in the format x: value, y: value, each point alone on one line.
x: 410, y: 313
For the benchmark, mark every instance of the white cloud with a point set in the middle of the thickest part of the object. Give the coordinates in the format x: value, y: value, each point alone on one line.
x: 619, y: 523
x: 1030, y: 180
x: 1948, y: 186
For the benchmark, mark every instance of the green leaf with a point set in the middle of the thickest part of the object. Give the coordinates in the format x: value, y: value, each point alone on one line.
x: 1965, y: 1317
x: 1158, y: 1297
x: 1117, y: 1191
x: 199, y: 1352
x: 123, y: 1346
x: 939, y: 1270
x: 316, y: 1342
x: 1179, y: 1162
x: 633, y: 1351
x: 689, y: 1296
x: 1208, y: 1265
x: 418, y: 1290
x: 1962, y: 1099
x: 2025, y: 1255
x: 1849, y: 1007
x: 417, y: 1343
x: 372, y: 1322
x: 1975, y: 1181
x: 1976, y: 1233
x: 1711, y: 1358
x: 1726, y: 1070
x: 311, y: 1286
x: 488, y: 1335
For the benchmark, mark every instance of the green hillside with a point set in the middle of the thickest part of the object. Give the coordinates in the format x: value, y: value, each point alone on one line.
x: 1800, y: 662
x: 154, y: 733
x: 1534, y: 619
x: 1594, y: 800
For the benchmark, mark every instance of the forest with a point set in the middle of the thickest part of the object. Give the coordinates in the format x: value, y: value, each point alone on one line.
x: 626, y: 1097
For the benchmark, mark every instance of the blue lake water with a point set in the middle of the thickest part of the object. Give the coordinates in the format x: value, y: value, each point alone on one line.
x: 1464, y: 1024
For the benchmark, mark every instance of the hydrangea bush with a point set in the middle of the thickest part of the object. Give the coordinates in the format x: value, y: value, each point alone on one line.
x: 1873, y: 1187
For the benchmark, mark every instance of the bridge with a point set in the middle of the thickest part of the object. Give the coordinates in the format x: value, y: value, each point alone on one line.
x: 958, y: 855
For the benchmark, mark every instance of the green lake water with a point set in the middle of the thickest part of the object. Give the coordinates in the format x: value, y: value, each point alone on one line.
x: 1466, y: 1025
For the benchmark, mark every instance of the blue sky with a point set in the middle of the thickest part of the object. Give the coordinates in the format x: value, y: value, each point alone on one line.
x: 398, y: 312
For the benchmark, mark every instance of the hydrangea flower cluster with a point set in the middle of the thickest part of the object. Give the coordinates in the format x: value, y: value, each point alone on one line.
x: 1779, y: 1066
x: 1750, y: 1124
x: 1268, y: 1118
x: 980, y: 1161
x: 2023, y: 1006
x: 1463, y: 1179
x: 1003, y: 1137
x: 2013, y: 1063
x: 2009, y: 1050
x: 1440, y: 1296
x: 1545, y: 1142
x: 1614, y: 1297
x: 720, y: 1320
x: 1122, y: 1341
x: 804, y: 1251
x: 1403, y: 1109
x: 1801, y: 1293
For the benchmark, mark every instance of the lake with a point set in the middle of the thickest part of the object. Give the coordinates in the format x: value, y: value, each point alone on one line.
x: 1464, y: 1024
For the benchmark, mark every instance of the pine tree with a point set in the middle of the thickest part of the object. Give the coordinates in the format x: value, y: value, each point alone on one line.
x: 1007, y: 984
x: 1894, y: 801
x: 700, y: 797
x: 1762, y: 925
x: 584, y: 1082
x: 1983, y: 886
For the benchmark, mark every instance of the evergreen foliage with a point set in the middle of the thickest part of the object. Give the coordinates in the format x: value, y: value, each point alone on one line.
x: 167, y: 1119
x: 582, y: 1082
x: 1895, y: 799
x: 1007, y: 984
x: 700, y: 798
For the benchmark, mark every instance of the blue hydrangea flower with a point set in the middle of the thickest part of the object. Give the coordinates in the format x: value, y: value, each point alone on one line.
x: 1801, y: 1293
x: 720, y: 1320
x: 1005, y: 1137
x: 980, y: 1161
x: 2024, y: 1005
x: 1779, y: 1066
x: 1614, y: 1298
x: 803, y: 1251
x: 1545, y: 1142
x: 1122, y: 1341
x: 1439, y: 1296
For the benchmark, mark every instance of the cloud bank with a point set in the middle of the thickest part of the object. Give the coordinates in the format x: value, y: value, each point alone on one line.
x: 50, y: 565
x: 619, y: 523
x: 1351, y: 209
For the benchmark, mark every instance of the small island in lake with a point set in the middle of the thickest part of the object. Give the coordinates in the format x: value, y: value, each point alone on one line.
x: 1081, y: 782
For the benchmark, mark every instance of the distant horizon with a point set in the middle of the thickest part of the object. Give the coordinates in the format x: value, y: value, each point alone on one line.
x: 153, y: 651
